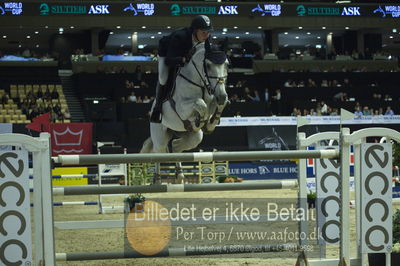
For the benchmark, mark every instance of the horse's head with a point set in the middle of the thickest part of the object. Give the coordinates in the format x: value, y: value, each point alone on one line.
x: 208, y: 69
x: 216, y: 70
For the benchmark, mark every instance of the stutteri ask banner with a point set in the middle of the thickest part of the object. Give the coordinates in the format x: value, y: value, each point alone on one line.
x: 71, y: 138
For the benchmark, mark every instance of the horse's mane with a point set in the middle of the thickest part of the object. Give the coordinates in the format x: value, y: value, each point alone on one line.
x: 200, y: 52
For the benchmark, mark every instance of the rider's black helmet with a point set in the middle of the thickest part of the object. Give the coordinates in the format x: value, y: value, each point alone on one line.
x: 202, y: 23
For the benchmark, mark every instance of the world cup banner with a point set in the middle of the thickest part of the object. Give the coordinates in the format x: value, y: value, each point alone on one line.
x: 71, y: 138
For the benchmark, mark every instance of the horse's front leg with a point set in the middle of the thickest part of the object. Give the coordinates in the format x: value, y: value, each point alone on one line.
x: 200, y: 114
x: 215, y: 118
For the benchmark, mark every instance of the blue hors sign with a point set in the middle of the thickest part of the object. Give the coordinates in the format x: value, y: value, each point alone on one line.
x: 254, y: 171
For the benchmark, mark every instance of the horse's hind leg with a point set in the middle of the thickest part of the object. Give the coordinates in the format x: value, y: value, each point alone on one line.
x: 179, y: 176
x: 147, y: 146
x: 160, y: 137
x: 157, y: 175
x: 187, y: 142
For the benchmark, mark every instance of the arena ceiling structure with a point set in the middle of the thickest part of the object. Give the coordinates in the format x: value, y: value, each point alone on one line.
x: 32, y: 24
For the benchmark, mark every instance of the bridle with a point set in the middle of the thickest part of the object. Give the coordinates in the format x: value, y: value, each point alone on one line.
x: 206, y: 84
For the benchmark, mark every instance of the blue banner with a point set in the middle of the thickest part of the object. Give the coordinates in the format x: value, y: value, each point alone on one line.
x: 258, y: 171
x: 263, y: 171
x: 396, y: 192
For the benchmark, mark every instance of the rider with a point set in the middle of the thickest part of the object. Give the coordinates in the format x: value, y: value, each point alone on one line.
x: 175, y: 50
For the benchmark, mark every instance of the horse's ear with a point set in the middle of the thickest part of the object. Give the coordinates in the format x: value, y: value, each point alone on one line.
x: 224, y: 45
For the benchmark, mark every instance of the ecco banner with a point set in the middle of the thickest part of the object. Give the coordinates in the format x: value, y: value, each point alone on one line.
x: 328, y: 198
x: 15, y: 220
x: 376, y: 198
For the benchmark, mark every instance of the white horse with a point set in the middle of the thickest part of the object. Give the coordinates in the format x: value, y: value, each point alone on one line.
x: 195, y: 106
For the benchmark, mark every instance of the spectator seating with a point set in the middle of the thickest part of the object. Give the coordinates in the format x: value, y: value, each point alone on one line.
x: 11, y: 112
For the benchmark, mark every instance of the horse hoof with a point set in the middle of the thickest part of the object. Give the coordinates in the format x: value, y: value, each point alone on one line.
x: 197, y: 120
x: 180, y: 178
x: 156, y: 180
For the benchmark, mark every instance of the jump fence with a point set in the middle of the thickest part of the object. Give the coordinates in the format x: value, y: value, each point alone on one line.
x: 372, y: 162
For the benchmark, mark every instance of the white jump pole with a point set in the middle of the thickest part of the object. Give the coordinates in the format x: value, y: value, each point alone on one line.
x: 84, y: 190
x: 192, y: 157
x: 175, y: 252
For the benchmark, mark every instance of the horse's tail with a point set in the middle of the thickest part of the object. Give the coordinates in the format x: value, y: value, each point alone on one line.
x: 147, y: 146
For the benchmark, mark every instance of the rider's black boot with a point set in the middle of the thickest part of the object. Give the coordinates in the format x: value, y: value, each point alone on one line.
x: 156, y: 113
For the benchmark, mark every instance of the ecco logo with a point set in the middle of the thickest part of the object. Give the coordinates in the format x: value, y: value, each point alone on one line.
x: 328, y: 192
x: 378, y: 169
x: 11, y: 179
x: 3, y: 159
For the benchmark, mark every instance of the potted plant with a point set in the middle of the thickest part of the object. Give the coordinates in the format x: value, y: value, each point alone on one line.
x: 135, y: 202
x: 396, y: 238
x: 229, y: 179
x: 311, y: 198
x: 379, y: 258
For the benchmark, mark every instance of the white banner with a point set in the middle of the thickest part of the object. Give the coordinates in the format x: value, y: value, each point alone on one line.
x: 15, y: 218
x: 314, y: 120
x: 376, y: 198
x: 112, y: 169
x: 328, y: 198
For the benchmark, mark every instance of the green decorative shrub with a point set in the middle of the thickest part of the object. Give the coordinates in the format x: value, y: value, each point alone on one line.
x: 396, y: 231
x: 396, y: 154
x: 131, y: 200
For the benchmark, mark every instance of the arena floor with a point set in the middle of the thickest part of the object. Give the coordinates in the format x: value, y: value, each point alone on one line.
x: 112, y: 239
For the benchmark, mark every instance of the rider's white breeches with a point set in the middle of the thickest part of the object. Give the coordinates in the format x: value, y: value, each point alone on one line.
x: 162, y: 71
